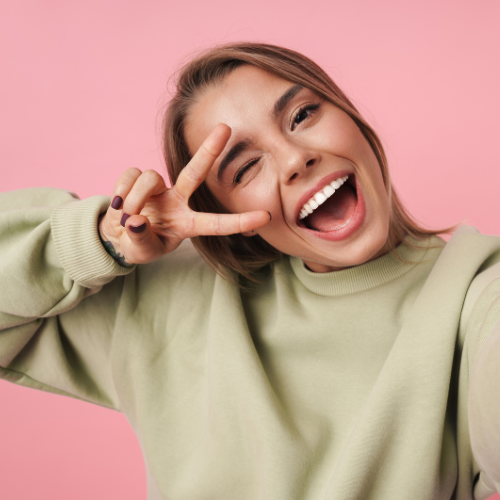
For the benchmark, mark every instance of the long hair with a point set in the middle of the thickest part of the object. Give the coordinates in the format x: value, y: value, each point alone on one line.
x: 246, y: 256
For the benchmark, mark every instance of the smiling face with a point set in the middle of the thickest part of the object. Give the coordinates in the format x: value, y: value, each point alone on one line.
x: 289, y: 149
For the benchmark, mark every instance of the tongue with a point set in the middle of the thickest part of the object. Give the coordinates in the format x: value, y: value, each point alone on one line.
x: 335, y: 212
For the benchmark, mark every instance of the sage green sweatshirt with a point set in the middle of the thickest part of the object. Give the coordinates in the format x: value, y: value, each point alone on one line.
x: 349, y: 385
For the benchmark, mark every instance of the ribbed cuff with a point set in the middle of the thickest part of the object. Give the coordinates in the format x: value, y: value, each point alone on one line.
x: 75, y: 232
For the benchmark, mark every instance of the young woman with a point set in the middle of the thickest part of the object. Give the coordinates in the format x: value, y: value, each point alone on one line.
x: 324, y: 345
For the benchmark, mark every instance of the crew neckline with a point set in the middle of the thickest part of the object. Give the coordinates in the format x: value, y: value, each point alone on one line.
x: 355, y: 279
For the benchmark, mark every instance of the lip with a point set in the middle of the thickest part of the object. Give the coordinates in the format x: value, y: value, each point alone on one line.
x: 354, y: 223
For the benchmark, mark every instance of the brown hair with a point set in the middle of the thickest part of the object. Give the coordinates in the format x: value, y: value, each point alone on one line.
x: 236, y: 252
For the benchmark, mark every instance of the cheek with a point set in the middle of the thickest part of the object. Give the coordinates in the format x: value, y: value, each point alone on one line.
x: 350, y: 143
x: 261, y: 193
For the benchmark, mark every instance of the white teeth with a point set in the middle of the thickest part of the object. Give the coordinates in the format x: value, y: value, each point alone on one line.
x: 313, y: 204
x: 321, y: 196
x: 328, y: 190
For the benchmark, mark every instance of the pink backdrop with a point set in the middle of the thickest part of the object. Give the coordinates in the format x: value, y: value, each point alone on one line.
x: 82, y: 83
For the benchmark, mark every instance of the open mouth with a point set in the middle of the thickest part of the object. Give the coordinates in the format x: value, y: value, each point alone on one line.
x: 331, y: 208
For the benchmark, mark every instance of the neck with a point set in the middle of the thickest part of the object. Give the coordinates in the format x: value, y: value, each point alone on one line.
x: 317, y: 267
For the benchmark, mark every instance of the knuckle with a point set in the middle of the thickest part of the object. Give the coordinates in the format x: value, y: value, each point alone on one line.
x: 192, y: 173
x: 180, y: 230
x: 209, y: 150
x: 151, y: 176
x: 192, y: 225
x: 217, y: 225
x: 178, y: 196
x: 122, y: 186
x: 133, y: 171
x: 127, y: 179
x: 131, y: 175
x: 133, y: 204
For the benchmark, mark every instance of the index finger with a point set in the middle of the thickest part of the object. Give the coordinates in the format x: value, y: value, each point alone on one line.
x: 196, y: 171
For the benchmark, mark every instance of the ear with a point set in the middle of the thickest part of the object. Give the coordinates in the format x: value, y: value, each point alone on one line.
x: 249, y: 233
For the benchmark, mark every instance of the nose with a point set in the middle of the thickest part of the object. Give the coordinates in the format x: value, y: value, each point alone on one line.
x: 295, y: 160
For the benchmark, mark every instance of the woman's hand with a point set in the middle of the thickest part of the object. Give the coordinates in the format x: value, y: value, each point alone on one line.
x: 155, y: 219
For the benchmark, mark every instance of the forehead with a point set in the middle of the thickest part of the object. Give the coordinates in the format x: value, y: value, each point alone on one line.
x: 244, y: 100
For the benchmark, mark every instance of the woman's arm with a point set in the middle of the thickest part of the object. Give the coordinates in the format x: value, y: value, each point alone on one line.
x: 484, y: 406
x: 51, y: 259
x: 52, y: 256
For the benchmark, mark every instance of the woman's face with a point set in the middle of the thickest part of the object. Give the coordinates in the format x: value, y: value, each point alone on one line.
x: 286, y: 146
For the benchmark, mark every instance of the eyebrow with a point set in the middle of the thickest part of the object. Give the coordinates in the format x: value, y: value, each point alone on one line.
x: 282, y: 102
x: 241, y: 146
x: 232, y: 154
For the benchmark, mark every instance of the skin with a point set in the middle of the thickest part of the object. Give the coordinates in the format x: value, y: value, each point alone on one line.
x: 151, y: 220
x: 296, y: 153
x: 296, y: 150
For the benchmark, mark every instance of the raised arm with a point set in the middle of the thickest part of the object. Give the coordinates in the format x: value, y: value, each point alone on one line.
x: 56, y: 250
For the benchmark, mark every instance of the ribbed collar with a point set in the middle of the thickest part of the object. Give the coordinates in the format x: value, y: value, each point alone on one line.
x: 360, y: 278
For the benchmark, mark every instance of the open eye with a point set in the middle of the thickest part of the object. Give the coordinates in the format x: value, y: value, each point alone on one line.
x: 304, y: 113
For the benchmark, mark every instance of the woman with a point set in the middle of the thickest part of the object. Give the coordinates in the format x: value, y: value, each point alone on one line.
x: 323, y: 352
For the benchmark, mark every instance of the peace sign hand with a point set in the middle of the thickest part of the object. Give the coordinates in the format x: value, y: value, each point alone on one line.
x: 155, y: 219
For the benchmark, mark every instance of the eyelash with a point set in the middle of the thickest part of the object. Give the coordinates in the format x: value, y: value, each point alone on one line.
x: 308, y: 107
x: 242, y: 170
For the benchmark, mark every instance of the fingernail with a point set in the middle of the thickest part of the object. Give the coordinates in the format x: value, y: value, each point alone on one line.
x: 270, y: 216
x: 138, y: 229
x: 117, y: 202
x: 124, y: 219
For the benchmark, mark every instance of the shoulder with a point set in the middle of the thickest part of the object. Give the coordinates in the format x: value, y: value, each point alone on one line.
x: 468, y: 244
x: 481, y: 308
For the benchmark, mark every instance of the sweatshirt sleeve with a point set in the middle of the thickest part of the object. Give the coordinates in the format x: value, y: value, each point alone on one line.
x: 483, y: 334
x: 58, y: 294
x: 484, y: 408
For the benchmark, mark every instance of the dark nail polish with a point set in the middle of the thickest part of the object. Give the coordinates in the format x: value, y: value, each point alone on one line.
x: 117, y: 202
x: 124, y: 219
x: 270, y: 216
x: 138, y: 229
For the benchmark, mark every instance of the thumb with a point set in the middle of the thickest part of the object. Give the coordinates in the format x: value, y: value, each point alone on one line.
x: 139, y: 243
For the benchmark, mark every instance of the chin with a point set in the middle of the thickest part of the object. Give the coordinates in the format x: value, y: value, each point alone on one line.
x: 367, y: 248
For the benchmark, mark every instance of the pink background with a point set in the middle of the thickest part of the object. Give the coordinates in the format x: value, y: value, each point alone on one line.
x: 81, y: 86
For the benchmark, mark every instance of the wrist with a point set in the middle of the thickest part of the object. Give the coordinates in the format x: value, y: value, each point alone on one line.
x: 111, y: 243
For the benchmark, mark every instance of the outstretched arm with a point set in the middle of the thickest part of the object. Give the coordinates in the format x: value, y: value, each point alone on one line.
x: 484, y: 408
x: 51, y: 259
x: 56, y: 250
